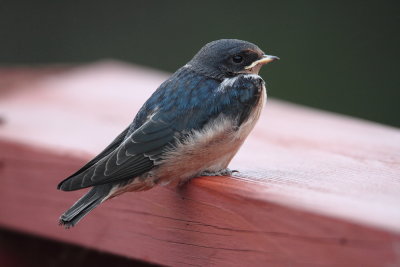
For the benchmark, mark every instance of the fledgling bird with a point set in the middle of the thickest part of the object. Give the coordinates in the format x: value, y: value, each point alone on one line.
x: 192, y: 125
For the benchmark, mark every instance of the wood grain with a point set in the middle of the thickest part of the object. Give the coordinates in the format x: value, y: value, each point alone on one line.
x: 314, y: 188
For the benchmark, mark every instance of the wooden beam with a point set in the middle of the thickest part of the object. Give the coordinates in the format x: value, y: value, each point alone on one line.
x: 314, y: 188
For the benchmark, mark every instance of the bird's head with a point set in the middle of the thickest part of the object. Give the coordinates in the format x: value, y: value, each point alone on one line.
x: 229, y: 57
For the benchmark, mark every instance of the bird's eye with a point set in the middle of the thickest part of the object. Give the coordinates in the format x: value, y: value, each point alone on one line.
x: 237, y: 59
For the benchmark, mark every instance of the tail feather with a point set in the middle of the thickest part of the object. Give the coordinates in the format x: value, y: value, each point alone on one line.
x: 84, y: 205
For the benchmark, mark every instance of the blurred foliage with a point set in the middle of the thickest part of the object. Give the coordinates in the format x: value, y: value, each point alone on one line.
x: 340, y: 56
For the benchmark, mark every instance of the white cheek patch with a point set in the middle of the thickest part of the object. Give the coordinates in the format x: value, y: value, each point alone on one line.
x: 228, y: 82
x: 252, y: 76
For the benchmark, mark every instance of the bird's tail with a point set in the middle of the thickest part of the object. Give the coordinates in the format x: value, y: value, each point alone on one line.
x: 84, y: 205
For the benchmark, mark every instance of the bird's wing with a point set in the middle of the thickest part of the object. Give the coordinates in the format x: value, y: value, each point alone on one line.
x: 111, y: 147
x: 135, y: 155
x: 130, y: 158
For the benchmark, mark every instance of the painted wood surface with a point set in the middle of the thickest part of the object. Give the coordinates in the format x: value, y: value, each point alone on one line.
x: 314, y: 188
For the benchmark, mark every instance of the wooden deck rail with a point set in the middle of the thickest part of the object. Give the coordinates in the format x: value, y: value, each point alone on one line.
x: 314, y: 188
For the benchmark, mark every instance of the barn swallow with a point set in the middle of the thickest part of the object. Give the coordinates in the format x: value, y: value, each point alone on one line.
x: 191, y: 126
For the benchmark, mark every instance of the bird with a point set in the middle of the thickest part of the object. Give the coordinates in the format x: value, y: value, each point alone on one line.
x: 191, y: 126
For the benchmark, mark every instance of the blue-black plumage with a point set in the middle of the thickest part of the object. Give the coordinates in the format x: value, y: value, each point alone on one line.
x: 192, y: 125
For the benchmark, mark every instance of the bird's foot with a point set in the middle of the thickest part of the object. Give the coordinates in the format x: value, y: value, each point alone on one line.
x: 223, y: 172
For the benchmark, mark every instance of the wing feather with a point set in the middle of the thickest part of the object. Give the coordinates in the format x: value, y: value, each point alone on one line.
x: 111, y: 147
x: 126, y: 161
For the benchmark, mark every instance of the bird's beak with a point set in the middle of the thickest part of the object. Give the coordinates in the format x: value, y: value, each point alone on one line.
x: 264, y: 60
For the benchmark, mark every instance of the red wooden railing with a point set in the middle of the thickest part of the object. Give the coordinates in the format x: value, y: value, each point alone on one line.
x: 314, y: 188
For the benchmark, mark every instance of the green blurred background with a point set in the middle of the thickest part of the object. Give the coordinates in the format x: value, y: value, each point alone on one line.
x: 340, y: 56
